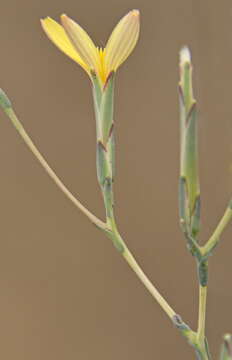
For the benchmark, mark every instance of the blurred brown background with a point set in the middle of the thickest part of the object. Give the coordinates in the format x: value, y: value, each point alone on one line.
x: 65, y: 293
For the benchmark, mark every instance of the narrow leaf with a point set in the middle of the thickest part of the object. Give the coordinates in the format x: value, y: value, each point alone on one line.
x: 111, y: 149
x: 102, y: 164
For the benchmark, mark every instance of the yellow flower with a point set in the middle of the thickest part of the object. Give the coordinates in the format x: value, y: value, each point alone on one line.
x: 76, y: 43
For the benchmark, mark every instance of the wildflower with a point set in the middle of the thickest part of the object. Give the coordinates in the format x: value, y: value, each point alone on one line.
x: 76, y: 43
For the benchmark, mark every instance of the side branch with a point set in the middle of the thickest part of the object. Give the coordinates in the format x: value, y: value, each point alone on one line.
x: 12, y: 116
x: 215, y: 238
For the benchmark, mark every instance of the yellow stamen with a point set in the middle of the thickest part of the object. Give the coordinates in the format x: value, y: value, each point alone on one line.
x: 102, y: 71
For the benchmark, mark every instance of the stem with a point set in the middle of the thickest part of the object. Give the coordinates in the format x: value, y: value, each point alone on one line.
x: 173, y: 316
x: 147, y: 283
x: 105, y: 172
x: 201, y: 341
x: 11, y: 114
x: 214, y: 239
x: 202, y: 314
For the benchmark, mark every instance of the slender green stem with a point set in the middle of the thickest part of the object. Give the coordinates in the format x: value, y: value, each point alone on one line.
x: 11, y: 114
x: 147, y: 283
x: 201, y: 341
x: 202, y: 313
x: 202, y: 353
x: 214, y: 239
x: 127, y: 255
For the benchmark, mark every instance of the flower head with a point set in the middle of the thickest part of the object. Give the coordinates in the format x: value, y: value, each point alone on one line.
x: 76, y: 43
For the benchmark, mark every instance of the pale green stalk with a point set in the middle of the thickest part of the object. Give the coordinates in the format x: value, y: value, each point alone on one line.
x: 125, y: 252
x: 5, y: 103
x: 214, y: 239
x: 202, y: 314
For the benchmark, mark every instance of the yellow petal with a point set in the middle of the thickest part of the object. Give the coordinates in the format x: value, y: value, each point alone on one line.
x: 58, y: 36
x: 122, y: 40
x: 82, y: 43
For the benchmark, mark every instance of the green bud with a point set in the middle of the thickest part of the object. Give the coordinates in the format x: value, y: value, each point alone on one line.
x: 226, y: 349
x: 4, y: 101
x: 97, y: 97
x: 190, y: 193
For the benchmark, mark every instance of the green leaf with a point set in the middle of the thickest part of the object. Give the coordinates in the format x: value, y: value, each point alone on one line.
x: 195, y: 221
x: 111, y: 149
x: 102, y: 164
x: 183, y: 208
x: 108, y: 198
x: 189, y: 168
